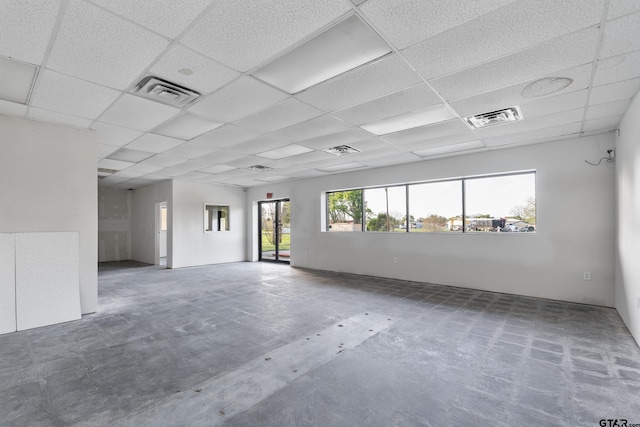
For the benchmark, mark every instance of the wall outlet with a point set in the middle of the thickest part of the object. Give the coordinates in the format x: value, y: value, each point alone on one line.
x: 587, y: 275
x: 395, y: 259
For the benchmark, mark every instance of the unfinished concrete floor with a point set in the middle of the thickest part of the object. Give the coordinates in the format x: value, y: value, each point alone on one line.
x: 261, y: 344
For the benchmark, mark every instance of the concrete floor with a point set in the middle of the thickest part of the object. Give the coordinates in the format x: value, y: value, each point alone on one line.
x: 263, y: 344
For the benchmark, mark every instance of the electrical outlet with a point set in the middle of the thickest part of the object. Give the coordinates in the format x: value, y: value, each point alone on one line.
x: 587, y: 275
x: 395, y: 259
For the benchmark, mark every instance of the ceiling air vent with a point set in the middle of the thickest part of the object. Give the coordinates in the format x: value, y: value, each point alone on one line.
x: 163, y: 91
x: 341, y: 150
x: 107, y: 171
x: 260, y: 168
x: 510, y: 114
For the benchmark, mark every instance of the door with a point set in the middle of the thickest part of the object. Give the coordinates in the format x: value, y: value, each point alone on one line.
x: 275, y: 230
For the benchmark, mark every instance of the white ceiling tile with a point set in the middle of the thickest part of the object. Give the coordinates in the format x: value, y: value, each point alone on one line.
x: 233, y: 174
x: 114, y: 164
x: 247, y: 161
x: 511, y: 95
x: 541, y: 61
x: 403, y: 21
x: 527, y: 22
x: 12, y: 108
x: 614, y: 91
x: 26, y: 28
x: 621, y: 35
x: 617, y: 68
x: 238, y: 99
x: 153, y: 143
x: 301, y: 159
x: 138, y: 113
x: 382, y: 77
x: 554, y: 104
x: 604, y: 124
x: 187, y: 126
x: 368, y: 144
x: 221, y: 156
x: 365, y: 156
x: 104, y: 150
x: 143, y: 169
x: 53, y: 117
x: 438, y: 142
x: 127, y: 173
x: 68, y: 95
x: 187, y: 68
x: 129, y: 155
x: 396, y: 159
x: 190, y: 176
x: 114, y: 55
x: 622, y: 7
x: 339, y: 138
x: 616, y: 108
x: 403, y: 101
x: 217, y: 169
x: 245, y: 33
x: 114, y: 135
x: 273, y: 178
x: 428, y: 132
x: 193, y: 164
x: 319, y: 126
x: 162, y: 161
x: 282, y: 152
x: 533, y: 124
x: 190, y: 150
x: 539, y: 135
x: 170, y: 172
x: 226, y: 136
x: 259, y: 145
x: 167, y: 17
x: 302, y: 173
x: 281, y: 115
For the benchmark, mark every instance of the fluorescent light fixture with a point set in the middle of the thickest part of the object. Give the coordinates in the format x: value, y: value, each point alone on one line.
x: 273, y: 178
x: 287, y: 151
x: 416, y: 119
x: 17, y: 80
x: 341, y: 167
x: 343, y: 47
x: 187, y: 126
x: 449, y: 149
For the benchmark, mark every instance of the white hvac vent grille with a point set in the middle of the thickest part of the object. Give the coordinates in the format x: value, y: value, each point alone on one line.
x: 161, y: 90
x: 510, y: 114
x: 260, y: 168
x: 341, y: 150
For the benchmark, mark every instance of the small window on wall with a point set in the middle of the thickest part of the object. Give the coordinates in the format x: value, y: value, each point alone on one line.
x: 386, y: 209
x: 216, y: 218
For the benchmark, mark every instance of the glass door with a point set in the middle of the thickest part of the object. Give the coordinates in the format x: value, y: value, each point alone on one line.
x: 275, y: 230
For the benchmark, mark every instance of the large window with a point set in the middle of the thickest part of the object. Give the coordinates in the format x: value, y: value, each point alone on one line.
x: 497, y: 203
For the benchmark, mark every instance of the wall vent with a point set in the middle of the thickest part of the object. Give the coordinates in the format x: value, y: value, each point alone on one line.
x: 163, y: 91
x: 506, y: 115
x: 260, y: 168
x: 341, y: 150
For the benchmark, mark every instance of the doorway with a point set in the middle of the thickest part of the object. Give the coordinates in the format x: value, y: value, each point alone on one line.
x: 161, y: 234
x: 274, y: 230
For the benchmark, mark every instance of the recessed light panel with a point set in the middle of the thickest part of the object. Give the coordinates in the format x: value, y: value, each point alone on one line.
x: 341, y: 48
x: 410, y: 120
x: 17, y: 80
x: 282, y: 152
x: 341, y: 167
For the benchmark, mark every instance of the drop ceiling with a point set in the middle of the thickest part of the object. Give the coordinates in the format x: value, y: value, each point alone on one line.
x: 433, y: 63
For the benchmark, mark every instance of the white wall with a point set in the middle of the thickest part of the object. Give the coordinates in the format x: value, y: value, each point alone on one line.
x: 114, y: 225
x: 575, y: 204
x: 48, y: 183
x: 628, y: 219
x: 143, y: 220
x: 191, y: 245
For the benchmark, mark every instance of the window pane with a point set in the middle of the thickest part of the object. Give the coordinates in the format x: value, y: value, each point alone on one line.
x: 344, y: 210
x: 216, y: 218
x: 502, y: 203
x: 436, y: 207
x: 386, y: 209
